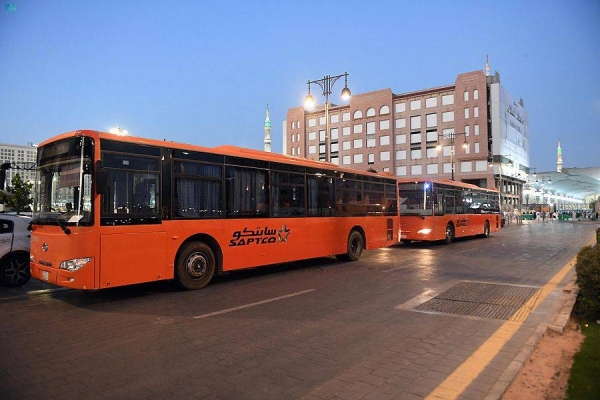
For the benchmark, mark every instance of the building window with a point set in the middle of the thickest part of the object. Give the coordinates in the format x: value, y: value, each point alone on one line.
x: 401, y: 155
x: 358, y: 143
x: 415, y: 122
x: 335, y: 118
x: 321, y: 149
x: 447, y: 99
x: 322, y: 121
x: 466, y: 96
x: 357, y: 114
x: 384, y: 110
x: 466, y: 113
x: 321, y: 136
x: 467, y: 148
x: 446, y: 150
x: 298, y: 151
x: 416, y: 169
x: 312, y: 135
x: 466, y: 166
x: 401, y: 123
x: 371, y: 112
x: 432, y: 152
x: 476, y: 129
x: 293, y: 151
x: 346, y: 131
x: 384, y: 140
x: 401, y: 139
x: 476, y: 148
x: 447, y: 168
x: 475, y: 112
x: 431, y: 102
x: 358, y: 128
x: 346, y: 116
x: 431, y: 136
x: 371, y: 158
x: 432, y: 169
x: 293, y: 124
x: 415, y: 137
x: 481, y: 166
x: 385, y: 124
x: 467, y: 130
x: 358, y: 159
x: 334, y: 134
x: 346, y: 160
x: 370, y: 128
x: 415, y: 105
x: 371, y: 143
x: 297, y: 137
x: 431, y: 120
x: 345, y: 145
x: 415, y: 154
x: 312, y: 122
x: 312, y: 149
x: 475, y: 94
x: 384, y: 156
x: 293, y: 138
x: 448, y: 116
x: 400, y: 107
x: 401, y: 171
x: 335, y: 160
x: 335, y: 147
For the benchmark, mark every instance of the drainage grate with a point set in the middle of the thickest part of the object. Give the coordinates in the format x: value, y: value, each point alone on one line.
x: 486, y: 300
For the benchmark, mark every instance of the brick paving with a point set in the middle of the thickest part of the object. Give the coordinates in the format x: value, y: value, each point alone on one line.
x: 343, y: 340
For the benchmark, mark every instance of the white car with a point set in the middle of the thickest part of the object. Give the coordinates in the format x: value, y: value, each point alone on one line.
x: 14, y: 250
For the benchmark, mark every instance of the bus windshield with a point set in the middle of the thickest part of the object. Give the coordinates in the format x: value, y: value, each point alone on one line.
x: 63, y: 187
x: 415, y: 198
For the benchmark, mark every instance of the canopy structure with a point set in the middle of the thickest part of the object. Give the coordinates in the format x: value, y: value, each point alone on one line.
x: 577, y: 183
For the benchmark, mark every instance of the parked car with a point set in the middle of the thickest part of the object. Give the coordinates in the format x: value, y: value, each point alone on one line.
x: 14, y: 250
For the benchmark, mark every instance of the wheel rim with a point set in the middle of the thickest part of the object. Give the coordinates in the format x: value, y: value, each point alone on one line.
x: 196, y: 265
x: 16, y: 272
x: 486, y: 230
x: 355, y: 246
x: 449, y: 233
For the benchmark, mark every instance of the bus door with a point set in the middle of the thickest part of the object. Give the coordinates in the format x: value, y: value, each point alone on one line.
x: 133, y: 241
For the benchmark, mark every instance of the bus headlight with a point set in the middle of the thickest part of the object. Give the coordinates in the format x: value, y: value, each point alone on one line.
x: 74, y: 264
x: 424, y: 231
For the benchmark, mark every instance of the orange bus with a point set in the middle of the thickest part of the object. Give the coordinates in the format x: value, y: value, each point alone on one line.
x: 115, y: 210
x: 442, y: 209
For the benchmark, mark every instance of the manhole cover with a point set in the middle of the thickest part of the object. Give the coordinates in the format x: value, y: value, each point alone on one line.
x: 486, y: 300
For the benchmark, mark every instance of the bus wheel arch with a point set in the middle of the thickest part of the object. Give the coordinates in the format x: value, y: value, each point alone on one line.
x: 355, y: 245
x: 450, y: 233
x: 198, y: 259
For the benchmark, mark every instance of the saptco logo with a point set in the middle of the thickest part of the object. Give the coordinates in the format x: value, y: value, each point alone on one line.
x: 259, y: 236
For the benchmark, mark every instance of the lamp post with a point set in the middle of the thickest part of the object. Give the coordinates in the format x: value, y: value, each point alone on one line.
x: 451, y: 137
x: 326, y: 85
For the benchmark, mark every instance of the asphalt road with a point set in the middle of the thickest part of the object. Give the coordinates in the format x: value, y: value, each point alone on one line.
x: 318, y: 329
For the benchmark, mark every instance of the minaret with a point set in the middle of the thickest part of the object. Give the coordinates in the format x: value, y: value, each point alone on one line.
x: 559, y: 158
x: 268, y: 131
x: 487, y: 65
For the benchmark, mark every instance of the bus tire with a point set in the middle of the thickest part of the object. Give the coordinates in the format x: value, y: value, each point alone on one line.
x: 354, y: 247
x: 486, y: 229
x: 196, y: 265
x: 449, y: 234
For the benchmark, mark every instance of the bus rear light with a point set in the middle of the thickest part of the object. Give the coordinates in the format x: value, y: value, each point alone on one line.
x: 424, y: 231
x: 74, y: 264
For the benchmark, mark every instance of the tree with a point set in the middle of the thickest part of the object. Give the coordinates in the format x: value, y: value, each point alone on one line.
x: 18, y: 196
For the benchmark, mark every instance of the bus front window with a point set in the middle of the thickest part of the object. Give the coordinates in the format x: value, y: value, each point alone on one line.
x: 415, y: 198
x: 63, y: 191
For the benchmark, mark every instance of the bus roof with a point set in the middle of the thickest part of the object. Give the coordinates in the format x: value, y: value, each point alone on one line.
x: 227, y: 150
x: 447, y: 182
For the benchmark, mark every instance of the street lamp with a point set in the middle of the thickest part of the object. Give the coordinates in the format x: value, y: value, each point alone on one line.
x: 451, y: 137
x: 326, y: 85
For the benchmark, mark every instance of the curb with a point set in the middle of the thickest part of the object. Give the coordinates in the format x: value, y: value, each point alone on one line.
x: 570, y: 292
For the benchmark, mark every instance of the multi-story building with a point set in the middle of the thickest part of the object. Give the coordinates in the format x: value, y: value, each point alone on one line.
x: 23, y: 157
x: 471, y: 131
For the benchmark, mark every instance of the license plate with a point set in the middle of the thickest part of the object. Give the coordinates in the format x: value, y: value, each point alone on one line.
x: 45, y: 275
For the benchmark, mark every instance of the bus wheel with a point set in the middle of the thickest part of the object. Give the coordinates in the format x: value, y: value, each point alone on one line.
x: 406, y: 241
x: 354, y: 247
x: 195, y: 266
x: 486, y: 229
x: 449, y: 234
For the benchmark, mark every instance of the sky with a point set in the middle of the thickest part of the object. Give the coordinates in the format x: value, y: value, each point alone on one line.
x: 202, y: 71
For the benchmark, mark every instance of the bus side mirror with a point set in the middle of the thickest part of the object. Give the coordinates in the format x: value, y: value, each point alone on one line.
x: 101, y: 178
